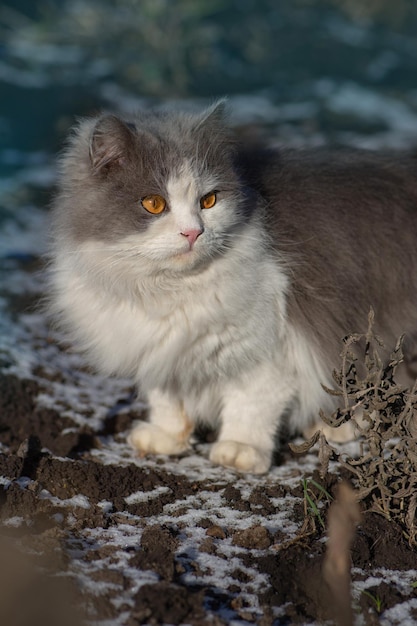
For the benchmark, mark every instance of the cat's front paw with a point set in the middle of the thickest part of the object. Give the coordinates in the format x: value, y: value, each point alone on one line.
x: 151, y: 439
x: 240, y: 456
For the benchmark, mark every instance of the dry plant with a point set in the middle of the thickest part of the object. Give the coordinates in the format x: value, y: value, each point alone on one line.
x: 384, y: 413
x: 342, y: 519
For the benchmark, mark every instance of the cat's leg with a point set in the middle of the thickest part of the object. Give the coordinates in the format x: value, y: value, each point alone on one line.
x: 251, y: 417
x: 168, y: 429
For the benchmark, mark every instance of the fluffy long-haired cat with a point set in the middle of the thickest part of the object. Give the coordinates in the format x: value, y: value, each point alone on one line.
x: 223, y: 278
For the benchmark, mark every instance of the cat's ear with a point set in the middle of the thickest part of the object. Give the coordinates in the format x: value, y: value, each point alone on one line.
x: 214, y: 115
x: 110, y: 142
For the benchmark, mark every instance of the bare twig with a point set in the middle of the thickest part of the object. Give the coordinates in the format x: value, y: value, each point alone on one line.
x: 342, y: 519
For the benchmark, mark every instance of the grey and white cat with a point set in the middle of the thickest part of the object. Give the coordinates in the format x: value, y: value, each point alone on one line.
x: 223, y: 278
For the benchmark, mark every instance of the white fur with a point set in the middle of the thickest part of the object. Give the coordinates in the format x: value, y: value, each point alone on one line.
x: 182, y: 193
x: 205, y: 340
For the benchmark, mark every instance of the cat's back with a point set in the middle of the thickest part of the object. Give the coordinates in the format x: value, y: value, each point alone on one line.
x: 350, y: 203
x: 346, y: 223
x: 339, y: 182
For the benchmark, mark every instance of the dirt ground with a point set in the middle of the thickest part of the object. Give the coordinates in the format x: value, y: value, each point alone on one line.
x: 91, y: 533
x: 54, y: 489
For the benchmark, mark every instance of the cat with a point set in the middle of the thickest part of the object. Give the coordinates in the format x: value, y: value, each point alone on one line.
x: 223, y: 277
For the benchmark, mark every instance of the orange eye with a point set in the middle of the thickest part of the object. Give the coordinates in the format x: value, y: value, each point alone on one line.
x: 208, y: 201
x: 154, y: 204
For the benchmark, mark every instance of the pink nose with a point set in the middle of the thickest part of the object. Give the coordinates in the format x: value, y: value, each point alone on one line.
x: 192, y: 235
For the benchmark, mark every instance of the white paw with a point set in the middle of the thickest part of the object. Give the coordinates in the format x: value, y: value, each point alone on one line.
x: 342, y: 434
x: 151, y: 439
x: 240, y: 456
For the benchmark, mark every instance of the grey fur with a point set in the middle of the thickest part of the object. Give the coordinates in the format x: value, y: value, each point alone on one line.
x: 347, y: 223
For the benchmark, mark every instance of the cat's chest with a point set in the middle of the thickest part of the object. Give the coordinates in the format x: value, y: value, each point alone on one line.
x: 189, y: 335
x: 181, y: 340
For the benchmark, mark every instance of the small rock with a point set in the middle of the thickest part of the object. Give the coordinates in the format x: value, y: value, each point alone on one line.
x: 255, y: 537
x: 208, y: 546
x: 216, y: 531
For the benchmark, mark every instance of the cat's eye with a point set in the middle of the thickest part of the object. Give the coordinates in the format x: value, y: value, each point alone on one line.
x: 154, y: 204
x: 209, y: 200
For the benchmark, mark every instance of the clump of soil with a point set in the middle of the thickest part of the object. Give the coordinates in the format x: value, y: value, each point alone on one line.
x: 20, y: 417
x: 164, y: 603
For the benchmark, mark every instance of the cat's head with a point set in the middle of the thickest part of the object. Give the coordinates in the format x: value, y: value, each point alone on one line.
x: 161, y: 188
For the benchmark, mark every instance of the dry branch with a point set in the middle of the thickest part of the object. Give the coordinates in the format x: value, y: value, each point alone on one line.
x: 385, y: 472
x: 342, y: 519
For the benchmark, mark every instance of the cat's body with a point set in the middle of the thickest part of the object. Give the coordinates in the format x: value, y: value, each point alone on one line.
x: 228, y: 302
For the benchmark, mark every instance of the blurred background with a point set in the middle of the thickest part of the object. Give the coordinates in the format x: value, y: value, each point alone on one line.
x: 299, y: 72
